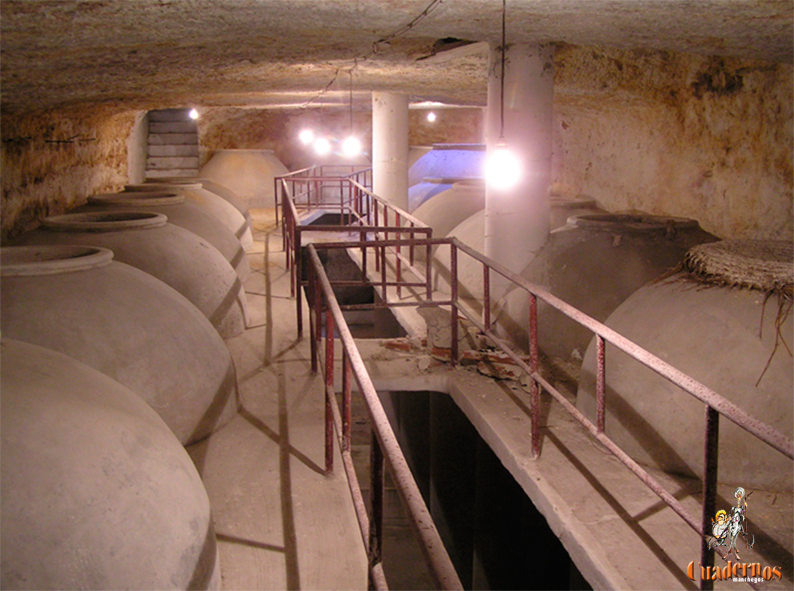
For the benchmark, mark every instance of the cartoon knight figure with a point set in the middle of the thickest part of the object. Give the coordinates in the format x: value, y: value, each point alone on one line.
x: 737, y: 522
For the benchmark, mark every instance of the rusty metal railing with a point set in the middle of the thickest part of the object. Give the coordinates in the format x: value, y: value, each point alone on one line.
x: 326, y: 314
x: 715, y: 405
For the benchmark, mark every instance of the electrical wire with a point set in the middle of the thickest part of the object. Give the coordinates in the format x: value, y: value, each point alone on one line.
x: 429, y: 9
x: 502, y: 77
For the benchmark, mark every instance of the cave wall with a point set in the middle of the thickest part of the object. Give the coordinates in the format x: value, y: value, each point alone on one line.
x: 675, y: 134
x: 52, y: 161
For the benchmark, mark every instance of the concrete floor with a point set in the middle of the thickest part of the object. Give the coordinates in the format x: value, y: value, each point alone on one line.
x: 282, y: 524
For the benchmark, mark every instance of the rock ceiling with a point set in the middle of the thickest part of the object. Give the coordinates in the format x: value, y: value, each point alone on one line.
x: 159, y: 53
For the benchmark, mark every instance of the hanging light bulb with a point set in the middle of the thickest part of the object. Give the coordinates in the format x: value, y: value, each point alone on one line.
x: 351, y: 147
x: 502, y: 167
x: 194, y: 114
x: 322, y: 146
x: 306, y: 137
x: 431, y: 116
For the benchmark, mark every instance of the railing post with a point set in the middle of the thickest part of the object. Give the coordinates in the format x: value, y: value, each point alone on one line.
x: 600, y: 382
x: 275, y: 196
x: 429, y: 266
x: 298, y: 274
x: 329, y: 391
x: 398, y: 261
x: 534, y: 363
x: 486, y: 297
x: 453, y: 271
x: 314, y: 312
x: 346, y: 400
x: 710, y: 460
x: 362, y: 236
x: 376, y: 503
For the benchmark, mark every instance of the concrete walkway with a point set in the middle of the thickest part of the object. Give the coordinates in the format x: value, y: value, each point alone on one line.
x: 280, y: 522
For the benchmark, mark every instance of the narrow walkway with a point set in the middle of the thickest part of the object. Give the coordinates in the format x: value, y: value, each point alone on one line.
x: 280, y: 522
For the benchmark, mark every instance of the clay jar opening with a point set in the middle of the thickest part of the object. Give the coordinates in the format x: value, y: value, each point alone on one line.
x: 138, y: 198
x: 161, y: 186
x: 18, y: 261
x: 104, y: 221
x: 443, y: 180
x: 635, y: 223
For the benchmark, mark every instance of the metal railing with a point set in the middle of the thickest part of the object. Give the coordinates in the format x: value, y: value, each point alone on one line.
x: 326, y: 318
x: 715, y: 405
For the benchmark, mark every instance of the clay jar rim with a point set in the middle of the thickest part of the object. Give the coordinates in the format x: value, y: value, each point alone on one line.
x: 53, y: 259
x: 473, y: 147
x: 444, y: 180
x: 137, y: 198
x: 174, y: 180
x: 635, y: 223
x: 162, y: 187
x: 470, y: 184
x: 105, y: 221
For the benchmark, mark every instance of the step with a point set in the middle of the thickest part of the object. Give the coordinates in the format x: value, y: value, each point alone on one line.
x: 160, y: 139
x: 171, y: 162
x: 170, y: 115
x: 174, y: 150
x: 172, y: 172
x: 172, y: 127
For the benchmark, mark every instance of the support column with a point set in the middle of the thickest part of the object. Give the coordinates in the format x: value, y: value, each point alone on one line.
x: 517, y: 219
x: 390, y: 147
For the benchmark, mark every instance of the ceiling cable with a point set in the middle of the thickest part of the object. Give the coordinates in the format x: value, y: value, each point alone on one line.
x: 502, y: 77
x: 429, y: 9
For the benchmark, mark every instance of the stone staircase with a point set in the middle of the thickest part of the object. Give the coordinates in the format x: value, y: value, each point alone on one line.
x: 173, y: 144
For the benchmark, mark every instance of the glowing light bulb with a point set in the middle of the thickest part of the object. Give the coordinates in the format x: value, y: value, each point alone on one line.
x: 306, y: 137
x: 502, y: 168
x: 322, y: 146
x: 193, y: 114
x: 431, y: 116
x: 351, y: 147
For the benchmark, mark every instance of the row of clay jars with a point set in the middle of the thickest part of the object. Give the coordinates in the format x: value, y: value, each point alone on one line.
x: 125, y: 323
x: 97, y: 492
x: 172, y: 254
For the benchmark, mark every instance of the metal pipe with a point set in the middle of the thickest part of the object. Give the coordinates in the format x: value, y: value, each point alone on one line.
x: 329, y: 390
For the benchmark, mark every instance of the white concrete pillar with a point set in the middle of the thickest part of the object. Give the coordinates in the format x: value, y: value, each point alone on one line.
x: 517, y: 219
x: 390, y: 147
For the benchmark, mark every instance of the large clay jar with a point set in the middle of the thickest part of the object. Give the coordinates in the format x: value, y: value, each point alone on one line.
x: 428, y: 188
x: 450, y: 207
x: 212, y: 187
x: 594, y: 263
x: 471, y: 232
x: 180, y: 213
x: 124, y: 323
x: 213, y: 204
x: 449, y: 161
x: 249, y: 173
x: 175, y: 256
x: 721, y: 336
x: 97, y: 493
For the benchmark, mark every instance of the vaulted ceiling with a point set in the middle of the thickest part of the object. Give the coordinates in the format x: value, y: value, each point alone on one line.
x: 159, y: 53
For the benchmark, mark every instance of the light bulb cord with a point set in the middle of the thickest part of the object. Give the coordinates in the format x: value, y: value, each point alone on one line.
x: 502, y: 77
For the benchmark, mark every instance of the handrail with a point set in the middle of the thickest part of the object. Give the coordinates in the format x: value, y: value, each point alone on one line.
x: 715, y: 404
x: 384, y: 440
